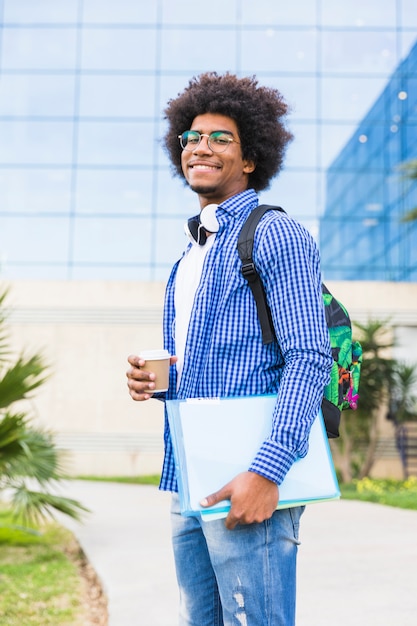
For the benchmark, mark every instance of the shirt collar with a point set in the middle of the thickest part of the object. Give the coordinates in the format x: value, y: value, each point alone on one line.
x: 233, y: 207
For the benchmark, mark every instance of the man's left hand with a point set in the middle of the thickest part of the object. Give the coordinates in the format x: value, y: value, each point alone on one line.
x: 253, y: 499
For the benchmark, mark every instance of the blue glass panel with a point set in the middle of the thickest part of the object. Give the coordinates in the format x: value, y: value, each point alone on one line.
x: 278, y: 51
x: 22, y: 94
x: 120, y: 12
x: 36, y: 142
x: 216, y: 50
x: 296, y: 192
x: 114, y: 191
x: 408, y: 13
x: 278, y: 12
x: 183, y: 12
x: 174, y: 197
x: 359, y: 52
x: 47, y: 239
x: 39, y: 48
x: 407, y: 41
x: 31, y: 12
x: 348, y: 98
x: 332, y: 139
x: 171, y: 240
x: 359, y: 13
x: 116, y: 143
x: 302, y: 151
x: 121, y: 49
x: 35, y: 190
x: 169, y: 87
x: 110, y: 95
x: 112, y: 240
x: 299, y: 93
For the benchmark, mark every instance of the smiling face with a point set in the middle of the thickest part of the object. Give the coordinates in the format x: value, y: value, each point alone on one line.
x: 212, y: 175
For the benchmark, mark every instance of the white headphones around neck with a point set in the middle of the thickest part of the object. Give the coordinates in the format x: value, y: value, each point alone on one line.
x: 206, y: 222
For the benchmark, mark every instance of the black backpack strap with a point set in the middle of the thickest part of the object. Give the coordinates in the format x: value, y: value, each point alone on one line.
x: 249, y: 271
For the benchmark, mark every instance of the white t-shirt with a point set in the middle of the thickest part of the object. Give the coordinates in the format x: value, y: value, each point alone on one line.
x: 186, y: 282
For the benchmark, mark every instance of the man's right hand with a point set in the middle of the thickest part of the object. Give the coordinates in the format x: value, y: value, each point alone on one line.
x: 139, y: 381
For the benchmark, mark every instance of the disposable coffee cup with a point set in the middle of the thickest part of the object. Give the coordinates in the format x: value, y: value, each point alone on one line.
x: 157, y: 361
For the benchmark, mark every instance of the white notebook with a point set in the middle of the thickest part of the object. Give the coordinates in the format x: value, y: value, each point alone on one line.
x: 217, y: 438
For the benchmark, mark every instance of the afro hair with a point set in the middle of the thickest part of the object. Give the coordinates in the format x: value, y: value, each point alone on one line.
x: 257, y: 111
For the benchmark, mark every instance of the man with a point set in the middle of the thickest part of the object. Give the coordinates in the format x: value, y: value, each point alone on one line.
x: 226, y: 138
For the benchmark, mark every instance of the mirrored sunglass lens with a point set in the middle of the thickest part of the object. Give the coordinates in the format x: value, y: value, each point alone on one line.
x: 190, y: 138
x: 219, y: 141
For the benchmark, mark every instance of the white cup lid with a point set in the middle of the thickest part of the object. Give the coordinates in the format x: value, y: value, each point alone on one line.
x: 154, y: 355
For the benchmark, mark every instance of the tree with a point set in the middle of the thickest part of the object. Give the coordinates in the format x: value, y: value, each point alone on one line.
x: 410, y: 172
x: 354, y: 451
x: 403, y: 399
x: 30, y: 465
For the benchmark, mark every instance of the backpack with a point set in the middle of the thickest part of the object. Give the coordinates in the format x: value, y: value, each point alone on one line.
x: 342, y: 391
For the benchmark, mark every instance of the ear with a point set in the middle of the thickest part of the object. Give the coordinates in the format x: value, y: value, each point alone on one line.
x: 248, y: 167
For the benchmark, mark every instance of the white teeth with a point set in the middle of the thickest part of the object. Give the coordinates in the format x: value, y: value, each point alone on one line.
x: 203, y: 167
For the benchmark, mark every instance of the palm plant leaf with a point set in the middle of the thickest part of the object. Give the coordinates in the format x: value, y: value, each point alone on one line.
x: 20, y: 379
x: 30, y: 463
x: 33, y: 506
x: 4, y: 351
x: 31, y: 455
x: 12, y: 428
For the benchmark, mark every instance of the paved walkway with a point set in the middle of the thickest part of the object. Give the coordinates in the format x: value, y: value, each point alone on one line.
x: 357, y: 563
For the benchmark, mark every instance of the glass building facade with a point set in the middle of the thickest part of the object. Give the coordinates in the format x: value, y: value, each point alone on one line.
x: 363, y: 235
x: 86, y: 191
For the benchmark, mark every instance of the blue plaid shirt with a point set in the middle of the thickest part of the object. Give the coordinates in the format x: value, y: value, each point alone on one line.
x: 224, y: 354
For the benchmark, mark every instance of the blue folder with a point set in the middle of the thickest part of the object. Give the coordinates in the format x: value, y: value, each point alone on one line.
x: 215, y: 439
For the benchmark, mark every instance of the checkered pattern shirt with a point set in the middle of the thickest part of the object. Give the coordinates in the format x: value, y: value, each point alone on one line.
x: 224, y: 354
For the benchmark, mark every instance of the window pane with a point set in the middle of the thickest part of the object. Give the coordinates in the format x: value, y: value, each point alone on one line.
x: 39, y: 48
x: 176, y: 52
x: 332, y: 139
x: 349, y: 98
x: 116, y: 143
x: 36, y: 95
x: 174, y: 197
x: 359, y: 13
x: 120, y: 12
x: 359, y: 52
x: 408, y: 13
x: 295, y: 192
x: 302, y: 151
x: 48, y: 240
x: 130, y: 96
x: 114, y: 191
x: 278, y: 51
x: 123, y: 49
x: 112, y: 240
x: 299, y: 12
x: 36, y: 142
x: 169, y: 87
x: 182, y: 12
x: 171, y: 240
x: 299, y: 92
x: 35, y: 191
x: 29, y: 11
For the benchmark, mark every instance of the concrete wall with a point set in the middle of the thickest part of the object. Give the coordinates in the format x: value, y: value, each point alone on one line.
x: 87, y: 329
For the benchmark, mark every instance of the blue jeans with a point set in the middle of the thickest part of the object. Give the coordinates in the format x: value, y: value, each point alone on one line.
x: 240, y: 577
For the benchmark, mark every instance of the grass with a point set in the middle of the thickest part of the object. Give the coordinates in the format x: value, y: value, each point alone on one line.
x: 151, y: 479
x: 39, y: 576
x: 40, y: 580
x: 397, y: 493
